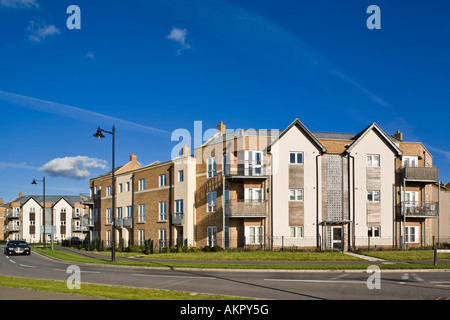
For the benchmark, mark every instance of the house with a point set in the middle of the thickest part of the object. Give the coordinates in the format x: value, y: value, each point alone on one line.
x: 275, y: 189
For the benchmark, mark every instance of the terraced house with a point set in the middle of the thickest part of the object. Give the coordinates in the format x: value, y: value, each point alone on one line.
x: 273, y: 189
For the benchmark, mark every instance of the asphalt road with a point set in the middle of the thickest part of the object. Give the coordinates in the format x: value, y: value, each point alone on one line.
x: 327, y: 285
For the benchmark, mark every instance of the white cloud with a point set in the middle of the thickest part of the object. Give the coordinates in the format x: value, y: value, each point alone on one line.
x: 179, y: 35
x: 73, y: 167
x: 39, y: 31
x: 19, y: 4
x: 89, y: 55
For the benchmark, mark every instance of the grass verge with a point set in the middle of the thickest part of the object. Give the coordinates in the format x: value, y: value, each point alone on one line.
x: 107, y: 291
x: 411, y: 255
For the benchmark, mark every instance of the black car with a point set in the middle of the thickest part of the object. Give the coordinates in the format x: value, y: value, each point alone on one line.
x: 17, y: 247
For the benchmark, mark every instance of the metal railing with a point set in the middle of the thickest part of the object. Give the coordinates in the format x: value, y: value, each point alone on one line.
x: 178, y: 219
x: 424, y: 174
x: 418, y: 209
x: 246, y: 168
x: 11, y: 214
x: 246, y: 208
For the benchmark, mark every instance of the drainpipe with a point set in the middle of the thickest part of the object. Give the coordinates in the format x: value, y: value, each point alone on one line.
x: 317, y: 202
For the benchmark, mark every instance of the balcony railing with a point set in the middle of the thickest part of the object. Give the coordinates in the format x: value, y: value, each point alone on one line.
x: 246, y: 169
x: 420, y: 174
x: 12, y: 214
x: 124, y: 223
x: 246, y: 208
x: 178, y: 219
x: 418, y: 209
x: 11, y: 228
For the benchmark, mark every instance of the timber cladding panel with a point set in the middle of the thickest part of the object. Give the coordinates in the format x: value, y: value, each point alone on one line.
x: 296, y: 176
x: 373, y: 183
x: 296, y: 213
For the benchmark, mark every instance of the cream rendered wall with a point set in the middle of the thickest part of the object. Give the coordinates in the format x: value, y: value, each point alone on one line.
x: 294, y: 140
x: 25, y: 221
x: 186, y: 190
x: 373, y: 143
x: 57, y: 208
x: 124, y: 199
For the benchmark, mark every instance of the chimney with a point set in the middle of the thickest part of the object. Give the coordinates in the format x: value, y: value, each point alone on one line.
x: 1, y: 201
x: 21, y: 194
x: 221, y: 128
x: 399, y: 135
x: 133, y: 157
x: 185, y: 151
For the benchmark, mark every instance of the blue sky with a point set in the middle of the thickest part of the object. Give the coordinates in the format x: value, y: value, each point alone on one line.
x: 151, y: 67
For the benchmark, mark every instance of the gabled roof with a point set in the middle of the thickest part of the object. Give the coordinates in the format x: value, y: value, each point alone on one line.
x: 48, y: 199
x: 297, y: 123
x: 375, y: 127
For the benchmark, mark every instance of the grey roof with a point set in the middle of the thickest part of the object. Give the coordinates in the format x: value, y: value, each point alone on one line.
x: 335, y: 135
x: 48, y: 199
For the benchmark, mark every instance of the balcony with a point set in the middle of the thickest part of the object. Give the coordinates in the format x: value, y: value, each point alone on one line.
x: 124, y: 223
x: 246, y: 170
x: 246, y: 208
x: 418, y: 209
x: 420, y: 174
x: 11, y: 228
x: 12, y: 215
x: 178, y: 219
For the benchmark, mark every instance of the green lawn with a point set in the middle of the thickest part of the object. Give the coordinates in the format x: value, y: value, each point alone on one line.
x: 398, y: 255
x: 106, y: 291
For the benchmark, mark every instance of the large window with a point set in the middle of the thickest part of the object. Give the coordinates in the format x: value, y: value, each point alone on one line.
x: 373, y: 160
x: 141, y: 184
x: 296, y: 157
x: 296, y: 194
x: 162, y: 211
x: 141, y: 237
x: 373, y: 196
x: 296, y: 232
x: 211, y: 234
x: 179, y: 206
x: 141, y: 213
x: 211, y: 199
x: 212, y: 167
x: 411, y: 234
x: 108, y: 215
x: 410, y: 161
x: 254, y: 235
x: 163, y: 180
x: 373, y: 232
x: 162, y: 238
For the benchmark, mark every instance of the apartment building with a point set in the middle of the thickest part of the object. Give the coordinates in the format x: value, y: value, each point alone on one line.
x: 278, y: 188
x: 24, y: 218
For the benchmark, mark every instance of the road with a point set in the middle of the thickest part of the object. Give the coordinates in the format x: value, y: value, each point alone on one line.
x: 257, y: 284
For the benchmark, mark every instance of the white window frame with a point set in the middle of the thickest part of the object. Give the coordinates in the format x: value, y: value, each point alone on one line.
x: 141, y: 213
x: 374, y: 232
x: 296, y: 195
x: 141, y: 184
x: 127, y: 187
x: 409, y: 234
x: 254, y: 194
x: 179, y: 206
x: 211, y: 201
x: 108, y: 191
x: 254, y: 235
x: 373, y: 194
x: 162, y: 233
x: 410, y: 161
x: 163, y: 180
x: 253, y: 162
x: 141, y: 237
x: 129, y: 211
x: 108, y: 215
x: 211, y: 236
x: 296, y: 155
x: 373, y: 160
x: 296, y: 232
x: 120, y: 188
x: 211, y: 167
x: 162, y: 211
x: 119, y: 213
x: 180, y: 175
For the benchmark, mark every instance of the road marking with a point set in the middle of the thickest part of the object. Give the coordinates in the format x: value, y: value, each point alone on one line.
x: 340, y: 276
x: 24, y: 265
x: 164, y: 276
x: 318, y: 281
x: 65, y: 270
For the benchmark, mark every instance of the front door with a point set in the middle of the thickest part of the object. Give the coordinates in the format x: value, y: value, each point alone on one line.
x: 336, y: 237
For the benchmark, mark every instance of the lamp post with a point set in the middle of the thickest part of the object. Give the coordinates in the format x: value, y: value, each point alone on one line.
x: 99, y: 136
x: 43, y: 210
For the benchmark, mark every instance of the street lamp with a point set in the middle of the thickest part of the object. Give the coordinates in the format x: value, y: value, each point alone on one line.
x: 43, y: 210
x: 99, y: 135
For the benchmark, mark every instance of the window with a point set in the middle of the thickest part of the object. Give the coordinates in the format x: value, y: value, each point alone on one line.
x: 412, y: 234
x: 296, y: 157
x: 127, y: 187
x: 119, y: 213
x: 373, y: 232
x: 253, y: 194
x: 180, y: 176
x: 141, y: 184
x: 129, y: 211
x: 253, y: 163
x: 108, y: 191
x: 162, y: 238
x: 373, y: 196
x: 211, y: 201
x: 108, y: 238
x: 141, y: 213
x: 296, y: 194
x: 296, y: 232
x: 178, y: 206
x: 120, y: 188
x: 162, y: 211
x: 254, y: 235
x: 163, y: 180
x: 108, y: 215
x: 410, y: 161
x: 212, y: 167
x: 141, y: 237
x: 373, y: 160
x: 211, y: 234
